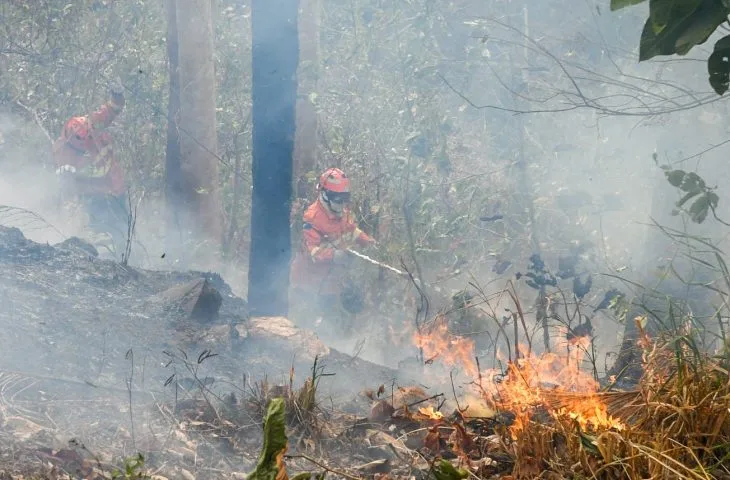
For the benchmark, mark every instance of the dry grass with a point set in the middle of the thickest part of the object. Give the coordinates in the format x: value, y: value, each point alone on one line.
x: 676, y: 425
x: 301, y: 404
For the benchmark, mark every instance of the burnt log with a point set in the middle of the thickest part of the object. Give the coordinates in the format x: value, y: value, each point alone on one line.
x: 196, y: 300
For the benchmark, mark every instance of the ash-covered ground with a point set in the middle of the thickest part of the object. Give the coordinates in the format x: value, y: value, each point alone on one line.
x: 89, y: 349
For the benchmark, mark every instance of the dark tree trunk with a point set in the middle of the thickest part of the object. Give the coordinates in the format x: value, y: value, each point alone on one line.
x: 275, y: 58
x: 173, y: 181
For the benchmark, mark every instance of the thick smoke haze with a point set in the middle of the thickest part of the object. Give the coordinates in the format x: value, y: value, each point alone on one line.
x: 536, y: 116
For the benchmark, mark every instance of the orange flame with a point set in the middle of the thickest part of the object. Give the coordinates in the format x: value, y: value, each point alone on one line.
x: 552, y: 382
x: 451, y: 349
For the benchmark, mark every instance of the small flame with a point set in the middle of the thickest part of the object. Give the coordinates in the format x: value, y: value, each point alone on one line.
x: 552, y: 382
x: 452, y: 350
x: 430, y: 413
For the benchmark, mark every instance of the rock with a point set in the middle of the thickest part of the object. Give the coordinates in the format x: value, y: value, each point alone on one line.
x: 220, y: 334
x: 186, y: 474
x: 241, y: 331
x: 281, y: 330
x: 383, y: 445
x: 75, y: 244
x: 381, y: 411
x: 197, y: 300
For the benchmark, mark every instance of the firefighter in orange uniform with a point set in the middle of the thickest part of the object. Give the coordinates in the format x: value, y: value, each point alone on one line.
x: 321, y: 264
x: 89, y: 172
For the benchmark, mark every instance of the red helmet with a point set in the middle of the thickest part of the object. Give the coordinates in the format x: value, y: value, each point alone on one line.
x: 335, y: 188
x: 77, y: 132
x: 334, y: 180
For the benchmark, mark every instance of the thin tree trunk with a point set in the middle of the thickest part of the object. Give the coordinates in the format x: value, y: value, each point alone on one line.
x: 173, y: 180
x: 305, y: 141
x: 233, y: 227
x: 524, y: 182
x: 198, y: 141
x: 275, y: 58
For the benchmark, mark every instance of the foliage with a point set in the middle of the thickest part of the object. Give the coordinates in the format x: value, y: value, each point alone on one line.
x: 270, y: 465
x: 694, y: 187
x: 133, y: 469
x: 676, y: 423
x: 300, y: 404
x: 675, y: 27
x: 444, y: 470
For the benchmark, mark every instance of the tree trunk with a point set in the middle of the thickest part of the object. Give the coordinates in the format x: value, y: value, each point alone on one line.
x: 173, y: 181
x: 687, y: 294
x: 201, y: 205
x: 305, y: 140
x: 275, y: 57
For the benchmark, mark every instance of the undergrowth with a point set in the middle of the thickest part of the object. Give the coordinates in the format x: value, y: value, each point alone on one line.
x: 676, y: 424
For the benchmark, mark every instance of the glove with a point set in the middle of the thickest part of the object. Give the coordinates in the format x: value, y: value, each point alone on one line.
x: 341, y: 257
x: 66, y: 170
x: 116, y: 87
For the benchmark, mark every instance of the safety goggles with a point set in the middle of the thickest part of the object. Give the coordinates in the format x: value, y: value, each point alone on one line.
x: 338, y: 197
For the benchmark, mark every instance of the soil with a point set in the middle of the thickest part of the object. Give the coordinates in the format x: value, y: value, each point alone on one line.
x: 94, y: 368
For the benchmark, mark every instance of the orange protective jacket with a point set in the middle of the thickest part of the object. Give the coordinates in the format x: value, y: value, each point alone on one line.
x: 97, y: 170
x: 313, y: 269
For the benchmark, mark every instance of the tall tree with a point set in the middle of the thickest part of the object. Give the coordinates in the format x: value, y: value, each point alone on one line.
x: 200, y: 212
x: 173, y: 182
x: 305, y: 141
x: 275, y: 57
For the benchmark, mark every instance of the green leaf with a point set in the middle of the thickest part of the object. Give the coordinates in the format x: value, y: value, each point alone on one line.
x: 270, y: 465
x: 675, y: 177
x: 666, y: 12
x: 589, y: 443
x: 713, y: 199
x: 701, y: 207
x: 718, y: 66
x: 618, y: 4
x: 692, y: 183
x: 682, y: 26
x: 703, y: 23
x: 445, y: 471
x: 684, y: 199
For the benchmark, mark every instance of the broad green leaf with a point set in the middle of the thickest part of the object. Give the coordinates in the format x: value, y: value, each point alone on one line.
x: 692, y: 183
x: 718, y: 66
x: 702, y: 24
x: 270, y: 465
x: 618, y: 4
x: 675, y: 177
x: 445, y: 471
x: 682, y: 30
x: 700, y: 208
x: 713, y: 199
x: 670, y: 12
x: 685, y: 198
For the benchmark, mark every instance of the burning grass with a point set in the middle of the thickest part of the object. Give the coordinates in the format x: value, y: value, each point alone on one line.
x: 543, y: 416
x: 676, y: 424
